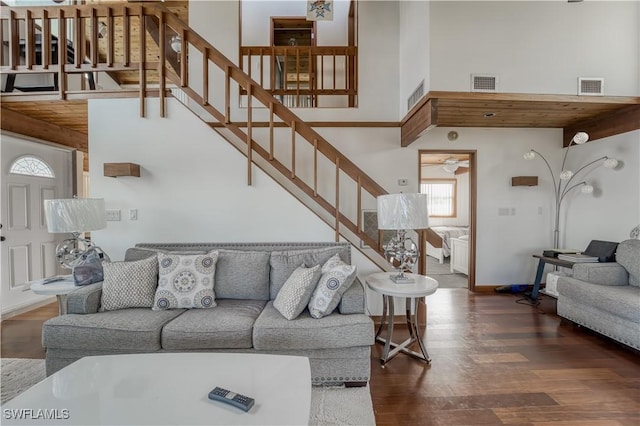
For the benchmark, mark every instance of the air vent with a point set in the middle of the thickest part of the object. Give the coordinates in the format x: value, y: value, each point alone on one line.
x: 590, y: 86
x: 484, y: 83
x: 415, y: 96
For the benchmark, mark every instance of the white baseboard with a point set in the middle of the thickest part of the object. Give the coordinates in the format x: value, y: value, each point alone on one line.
x: 21, y: 309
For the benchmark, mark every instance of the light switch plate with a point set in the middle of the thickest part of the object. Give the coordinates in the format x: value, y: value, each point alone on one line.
x: 113, y: 215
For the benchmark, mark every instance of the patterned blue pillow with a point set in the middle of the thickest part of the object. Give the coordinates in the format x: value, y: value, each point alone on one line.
x: 337, y: 277
x: 185, y: 281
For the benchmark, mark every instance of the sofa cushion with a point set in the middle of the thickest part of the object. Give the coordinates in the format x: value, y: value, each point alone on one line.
x: 283, y: 263
x: 242, y: 275
x: 186, y: 281
x: 229, y: 326
x: 129, y: 284
x: 628, y: 255
x: 296, y: 291
x: 272, y: 331
x: 621, y: 301
x: 136, y: 329
x: 336, y: 278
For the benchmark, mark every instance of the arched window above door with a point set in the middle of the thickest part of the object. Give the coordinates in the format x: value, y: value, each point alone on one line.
x: 30, y: 165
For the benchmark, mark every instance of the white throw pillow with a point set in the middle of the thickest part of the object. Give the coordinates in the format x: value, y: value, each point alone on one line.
x: 296, y: 291
x: 129, y: 284
x: 185, y: 281
x: 337, y: 277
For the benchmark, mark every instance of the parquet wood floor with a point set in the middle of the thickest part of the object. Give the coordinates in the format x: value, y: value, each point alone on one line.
x: 494, y: 362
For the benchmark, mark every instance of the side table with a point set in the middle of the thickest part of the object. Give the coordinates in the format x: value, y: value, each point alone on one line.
x: 59, y: 288
x: 412, y: 292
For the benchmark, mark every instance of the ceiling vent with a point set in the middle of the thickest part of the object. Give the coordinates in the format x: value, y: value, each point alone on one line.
x: 415, y: 96
x: 590, y: 86
x: 484, y: 83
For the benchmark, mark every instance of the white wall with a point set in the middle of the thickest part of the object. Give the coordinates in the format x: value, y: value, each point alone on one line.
x: 413, y: 49
x: 536, y: 46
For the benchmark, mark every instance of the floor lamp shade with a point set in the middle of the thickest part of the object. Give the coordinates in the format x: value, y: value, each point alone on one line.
x: 403, y: 211
x: 75, y: 215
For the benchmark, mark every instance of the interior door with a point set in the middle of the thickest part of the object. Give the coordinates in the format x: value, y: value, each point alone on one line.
x: 31, y: 173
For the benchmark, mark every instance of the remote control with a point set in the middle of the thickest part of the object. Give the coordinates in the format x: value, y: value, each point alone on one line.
x: 242, y: 402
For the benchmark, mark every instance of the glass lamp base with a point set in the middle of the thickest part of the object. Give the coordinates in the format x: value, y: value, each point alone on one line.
x: 402, y: 279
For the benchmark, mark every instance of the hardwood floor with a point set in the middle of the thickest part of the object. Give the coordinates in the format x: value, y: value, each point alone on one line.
x: 494, y: 362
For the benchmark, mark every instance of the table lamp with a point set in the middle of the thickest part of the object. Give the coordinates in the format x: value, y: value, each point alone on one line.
x: 401, y: 212
x: 75, y: 216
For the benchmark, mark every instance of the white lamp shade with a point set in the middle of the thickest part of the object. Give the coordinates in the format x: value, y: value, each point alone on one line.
x: 75, y: 215
x: 403, y: 211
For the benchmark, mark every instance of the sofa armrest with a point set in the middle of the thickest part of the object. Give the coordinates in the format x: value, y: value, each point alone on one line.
x: 609, y: 273
x: 352, y: 301
x: 85, y: 299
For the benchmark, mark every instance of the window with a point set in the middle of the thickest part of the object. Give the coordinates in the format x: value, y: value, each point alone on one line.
x: 441, y: 196
x: 31, y: 166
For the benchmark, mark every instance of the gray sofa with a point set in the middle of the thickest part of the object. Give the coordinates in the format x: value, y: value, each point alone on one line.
x: 605, y: 297
x: 245, y: 320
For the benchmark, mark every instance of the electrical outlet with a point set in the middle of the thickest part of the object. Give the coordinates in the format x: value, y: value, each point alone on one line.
x: 503, y: 211
x: 113, y: 215
x: 133, y: 214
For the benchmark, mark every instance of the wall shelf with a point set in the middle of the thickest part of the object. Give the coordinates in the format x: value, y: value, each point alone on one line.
x: 121, y: 169
x: 524, y: 181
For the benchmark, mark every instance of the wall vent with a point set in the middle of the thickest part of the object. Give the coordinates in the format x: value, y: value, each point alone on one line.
x: 590, y: 86
x: 484, y: 83
x: 415, y: 96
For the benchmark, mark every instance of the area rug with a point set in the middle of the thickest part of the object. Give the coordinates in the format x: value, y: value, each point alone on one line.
x: 329, y: 405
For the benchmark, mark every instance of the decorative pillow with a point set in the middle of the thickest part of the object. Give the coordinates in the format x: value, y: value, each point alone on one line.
x: 296, y: 291
x: 336, y: 278
x: 186, y: 281
x: 129, y: 284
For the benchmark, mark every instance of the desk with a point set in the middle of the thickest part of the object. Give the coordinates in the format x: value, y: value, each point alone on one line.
x: 60, y: 289
x: 412, y: 292
x: 541, y: 262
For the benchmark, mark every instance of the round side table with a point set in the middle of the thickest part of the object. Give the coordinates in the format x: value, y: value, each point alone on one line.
x: 59, y: 288
x: 421, y: 287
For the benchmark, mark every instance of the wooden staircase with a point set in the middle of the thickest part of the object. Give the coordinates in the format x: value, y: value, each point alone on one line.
x: 284, y: 146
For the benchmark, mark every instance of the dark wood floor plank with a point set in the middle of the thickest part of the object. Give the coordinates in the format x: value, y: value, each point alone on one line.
x: 494, y: 362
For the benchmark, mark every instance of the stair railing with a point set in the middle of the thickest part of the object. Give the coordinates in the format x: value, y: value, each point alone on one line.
x: 219, y: 76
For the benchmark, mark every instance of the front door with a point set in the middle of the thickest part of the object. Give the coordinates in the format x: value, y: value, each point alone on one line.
x: 31, y: 173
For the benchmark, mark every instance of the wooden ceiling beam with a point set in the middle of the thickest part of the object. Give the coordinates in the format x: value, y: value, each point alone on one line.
x: 17, y: 122
x: 424, y: 118
x: 609, y: 124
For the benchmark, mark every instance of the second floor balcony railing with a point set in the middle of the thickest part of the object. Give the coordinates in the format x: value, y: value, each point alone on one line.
x: 305, y: 76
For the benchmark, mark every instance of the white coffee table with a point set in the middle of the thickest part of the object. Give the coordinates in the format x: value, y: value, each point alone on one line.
x: 59, y: 288
x: 172, y: 389
x: 421, y: 287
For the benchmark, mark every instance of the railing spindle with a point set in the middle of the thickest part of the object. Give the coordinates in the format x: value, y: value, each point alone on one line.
x: 271, y: 131
x: 293, y: 150
x: 315, y: 167
x: 249, y: 134
x: 14, y: 41
x: 261, y: 68
x: 62, y: 54
x: 359, y: 206
x: 249, y: 63
x: 161, y: 63
x: 77, y: 42
x: 321, y: 72
x: 143, y: 59
x: 110, y: 37
x: 272, y: 80
x: 45, y: 40
x: 126, y: 37
x: 29, y: 42
x: 184, y: 72
x: 297, y: 76
x: 94, y: 39
x: 227, y: 95
x: 205, y: 76
x: 334, y: 70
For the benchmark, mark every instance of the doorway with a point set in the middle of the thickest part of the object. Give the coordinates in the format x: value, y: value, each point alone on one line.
x: 448, y: 177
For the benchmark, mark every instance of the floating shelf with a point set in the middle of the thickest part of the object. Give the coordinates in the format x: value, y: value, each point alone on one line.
x: 121, y: 169
x: 524, y: 181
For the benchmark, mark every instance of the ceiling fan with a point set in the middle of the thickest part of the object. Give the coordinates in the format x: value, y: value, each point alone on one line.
x: 452, y: 164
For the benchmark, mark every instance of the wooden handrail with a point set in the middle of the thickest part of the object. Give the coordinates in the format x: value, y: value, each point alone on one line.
x: 192, y: 42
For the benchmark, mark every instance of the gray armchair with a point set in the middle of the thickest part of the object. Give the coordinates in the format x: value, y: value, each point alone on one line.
x: 605, y: 297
